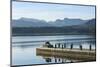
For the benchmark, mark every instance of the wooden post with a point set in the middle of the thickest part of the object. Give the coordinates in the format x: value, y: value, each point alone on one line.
x: 80, y: 47
x: 55, y: 60
x: 58, y: 45
x: 64, y: 45
x: 95, y: 46
x: 59, y: 59
x: 62, y: 60
x: 55, y: 46
x: 90, y: 47
x: 71, y: 47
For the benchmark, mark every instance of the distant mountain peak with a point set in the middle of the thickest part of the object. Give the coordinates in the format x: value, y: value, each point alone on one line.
x: 27, y: 19
x: 31, y: 22
x: 58, y: 19
x: 92, y: 21
x: 66, y: 18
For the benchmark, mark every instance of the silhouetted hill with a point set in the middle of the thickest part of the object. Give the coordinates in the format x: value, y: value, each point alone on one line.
x: 85, y: 28
x: 91, y: 22
x: 28, y: 22
x: 68, y: 22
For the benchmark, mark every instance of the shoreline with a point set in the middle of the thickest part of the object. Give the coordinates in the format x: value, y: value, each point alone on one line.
x: 50, y: 34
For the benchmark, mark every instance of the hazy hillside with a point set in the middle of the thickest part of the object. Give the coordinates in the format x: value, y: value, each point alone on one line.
x: 28, y: 22
x: 68, y: 22
x: 43, y: 28
x: 91, y: 22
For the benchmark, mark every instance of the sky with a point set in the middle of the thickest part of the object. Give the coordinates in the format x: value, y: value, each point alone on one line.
x: 51, y: 12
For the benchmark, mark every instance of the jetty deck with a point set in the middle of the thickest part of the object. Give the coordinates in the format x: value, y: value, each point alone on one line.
x: 76, y: 54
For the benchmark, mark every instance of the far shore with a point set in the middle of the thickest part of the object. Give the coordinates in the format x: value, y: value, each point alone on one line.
x: 50, y: 34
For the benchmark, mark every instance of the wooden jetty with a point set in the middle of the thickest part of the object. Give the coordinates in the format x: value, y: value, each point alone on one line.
x: 76, y: 54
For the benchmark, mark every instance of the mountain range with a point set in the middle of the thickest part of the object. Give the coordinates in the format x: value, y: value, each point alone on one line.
x: 28, y: 22
x: 27, y: 27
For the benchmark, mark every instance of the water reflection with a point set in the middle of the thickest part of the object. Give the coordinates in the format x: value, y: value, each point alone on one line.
x: 24, y: 53
x: 58, y: 59
x: 48, y: 60
x: 50, y: 56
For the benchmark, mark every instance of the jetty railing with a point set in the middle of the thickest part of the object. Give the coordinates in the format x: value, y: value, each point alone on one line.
x: 63, y: 46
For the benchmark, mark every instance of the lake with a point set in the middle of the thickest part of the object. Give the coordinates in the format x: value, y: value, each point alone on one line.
x: 24, y: 48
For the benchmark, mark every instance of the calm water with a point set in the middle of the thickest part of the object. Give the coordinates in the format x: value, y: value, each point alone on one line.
x: 24, y: 48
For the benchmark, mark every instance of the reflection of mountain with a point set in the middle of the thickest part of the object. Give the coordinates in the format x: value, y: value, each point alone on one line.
x: 26, y: 26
